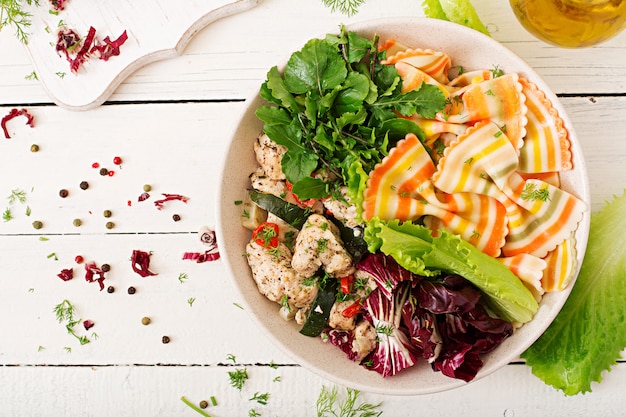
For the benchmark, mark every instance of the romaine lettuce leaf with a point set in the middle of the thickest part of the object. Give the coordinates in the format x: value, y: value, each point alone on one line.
x: 589, y: 333
x: 415, y: 249
x: 457, y: 11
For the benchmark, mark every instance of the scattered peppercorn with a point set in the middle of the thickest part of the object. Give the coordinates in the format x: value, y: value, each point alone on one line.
x: 84, y: 185
x: 109, y: 225
x: 204, y: 404
x: 34, y: 148
x: 77, y: 222
x: 176, y: 217
x: 79, y: 259
x: 37, y: 224
x: 111, y: 173
x: 104, y: 171
x: 111, y: 289
x: 165, y: 340
x: 132, y: 290
x: 145, y: 321
x: 105, y: 267
x: 64, y: 193
x: 117, y: 160
x: 107, y: 213
x: 147, y: 187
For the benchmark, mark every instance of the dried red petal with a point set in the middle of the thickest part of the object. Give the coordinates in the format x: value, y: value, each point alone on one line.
x: 12, y: 115
x: 169, y: 197
x: 58, y: 5
x: 140, y: 262
x: 88, y: 324
x: 110, y: 48
x: 66, y: 274
x: 143, y: 197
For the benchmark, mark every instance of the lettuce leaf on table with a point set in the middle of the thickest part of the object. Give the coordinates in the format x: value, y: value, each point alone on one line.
x: 456, y: 11
x: 589, y: 333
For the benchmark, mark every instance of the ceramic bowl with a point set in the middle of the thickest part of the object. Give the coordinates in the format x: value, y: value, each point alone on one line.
x: 470, y: 49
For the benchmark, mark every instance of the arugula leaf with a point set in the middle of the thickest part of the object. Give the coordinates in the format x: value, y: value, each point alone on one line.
x: 589, y: 333
x: 316, y: 67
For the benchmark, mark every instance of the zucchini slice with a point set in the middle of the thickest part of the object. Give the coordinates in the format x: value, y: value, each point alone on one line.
x: 291, y: 213
x: 320, y: 313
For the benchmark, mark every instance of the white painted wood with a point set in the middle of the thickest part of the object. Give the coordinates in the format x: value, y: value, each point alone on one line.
x: 156, y: 30
x: 176, y: 147
x: 230, y: 57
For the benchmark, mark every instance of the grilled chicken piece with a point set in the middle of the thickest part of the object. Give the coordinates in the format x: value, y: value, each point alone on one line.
x: 269, y: 156
x: 319, y: 244
x: 275, y: 277
x: 337, y: 319
x: 341, y: 208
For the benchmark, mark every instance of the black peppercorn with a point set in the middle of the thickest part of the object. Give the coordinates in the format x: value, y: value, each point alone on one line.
x: 165, y: 340
x: 105, y: 267
x: 104, y: 171
x: 176, y: 217
x: 64, y: 193
x: 84, y: 185
x: 131, y: 290
x: 111, y: 289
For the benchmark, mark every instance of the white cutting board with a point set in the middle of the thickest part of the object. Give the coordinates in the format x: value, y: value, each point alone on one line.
x: 156, y: 29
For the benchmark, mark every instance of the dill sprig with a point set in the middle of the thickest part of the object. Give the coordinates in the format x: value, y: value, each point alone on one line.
x: 64, y: 312
x: 327, y: 405
x: 13, y: 14
x: 347, y: 7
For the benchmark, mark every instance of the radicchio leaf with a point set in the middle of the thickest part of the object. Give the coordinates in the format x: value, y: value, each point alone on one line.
x: 12, y: 115
x: 66, y: 274
x: 393, y: 351
x: 169, y: 197
x: 93, y: 273
x: 386, y: 272
x: 140, y: 262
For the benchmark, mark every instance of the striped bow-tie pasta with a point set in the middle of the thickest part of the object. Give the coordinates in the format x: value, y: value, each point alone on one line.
x: 561, y: 264
x: 530, y: 269
x: 466, y: 79
x: 400, y: 188
x: 499, y: 100
x: 434, y: 63
x: 412, y: 78
x: 546, y: 145
x: 484, y: 161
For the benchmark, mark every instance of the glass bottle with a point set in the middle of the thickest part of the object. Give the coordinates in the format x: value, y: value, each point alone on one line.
x: 571, y: 23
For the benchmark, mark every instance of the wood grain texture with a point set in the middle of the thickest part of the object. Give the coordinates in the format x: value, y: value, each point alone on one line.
x: 156, y: 30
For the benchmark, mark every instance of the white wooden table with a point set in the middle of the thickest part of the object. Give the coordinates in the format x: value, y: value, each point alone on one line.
x: 169, y: 122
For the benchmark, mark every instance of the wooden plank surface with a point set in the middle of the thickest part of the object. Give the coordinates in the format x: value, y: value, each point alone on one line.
x: 170, y: 122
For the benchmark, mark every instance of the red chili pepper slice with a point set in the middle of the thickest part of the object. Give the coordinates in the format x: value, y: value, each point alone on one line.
x: 266, y: 235
x: 346, y: 284
x: 352, y: 310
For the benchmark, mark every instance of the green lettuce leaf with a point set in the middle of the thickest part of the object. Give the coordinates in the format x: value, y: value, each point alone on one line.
x: 415, y: 249
x: 457, y: 11
x: 589, y: 333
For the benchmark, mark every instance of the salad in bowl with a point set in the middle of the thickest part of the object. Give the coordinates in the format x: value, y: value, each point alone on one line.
x: 401, y: 214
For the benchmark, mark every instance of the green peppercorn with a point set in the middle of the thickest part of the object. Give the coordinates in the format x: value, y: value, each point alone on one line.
x: 34, y: 148
x: 107, y: 213
x: 109, y: 225
x: 147, y: 187
x: 145, y: 321
x: 37, y: 224
x: 77, y: 222
x: 204, y: 404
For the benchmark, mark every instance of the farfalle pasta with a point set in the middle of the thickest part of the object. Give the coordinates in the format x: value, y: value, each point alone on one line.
x: 487, y: 169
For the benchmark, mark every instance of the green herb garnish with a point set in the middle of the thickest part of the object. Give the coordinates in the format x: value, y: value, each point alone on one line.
x: 327, y: 405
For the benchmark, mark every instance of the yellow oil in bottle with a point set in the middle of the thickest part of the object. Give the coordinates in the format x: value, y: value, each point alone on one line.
x: 571, y: 23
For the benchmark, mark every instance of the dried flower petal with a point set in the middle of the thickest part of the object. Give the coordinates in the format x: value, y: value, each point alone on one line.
x: 199, y: 257
x: 140, y: 262
x: 143, y: 197
x: 66, y: 274
x: 88, y: 324
x: 208, y: 238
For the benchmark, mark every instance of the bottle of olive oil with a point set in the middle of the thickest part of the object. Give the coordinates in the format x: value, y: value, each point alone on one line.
x: 571, y: 23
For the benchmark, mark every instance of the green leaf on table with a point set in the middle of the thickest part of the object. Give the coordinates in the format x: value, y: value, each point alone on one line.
x: 456, y: 11
x: 589, y: 333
